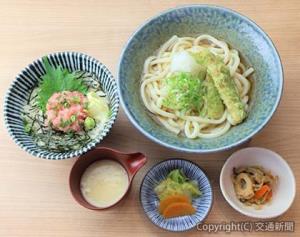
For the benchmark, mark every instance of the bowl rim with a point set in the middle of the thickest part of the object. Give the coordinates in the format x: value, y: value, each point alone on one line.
x: 54, y: 155
x: 206, y: 177
x: 201, y: 150
x: 243, y: 211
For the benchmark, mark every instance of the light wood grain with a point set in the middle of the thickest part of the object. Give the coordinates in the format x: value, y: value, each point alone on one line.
x: 34, y: 195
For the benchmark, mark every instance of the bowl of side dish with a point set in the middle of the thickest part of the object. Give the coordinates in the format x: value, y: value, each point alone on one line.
x: 176, y: 195
x: 102, y: 177
x: 200, y: 78
x: 61, y: 105
x: 258, y: 183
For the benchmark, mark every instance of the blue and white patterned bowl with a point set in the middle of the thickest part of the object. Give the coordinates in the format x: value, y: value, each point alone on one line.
x: 241, y: 33
x: 21, y: 87
x: 150, y: 202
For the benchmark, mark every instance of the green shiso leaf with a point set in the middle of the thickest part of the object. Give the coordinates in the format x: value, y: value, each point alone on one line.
x: 184, y: 92
x: 57, y: 80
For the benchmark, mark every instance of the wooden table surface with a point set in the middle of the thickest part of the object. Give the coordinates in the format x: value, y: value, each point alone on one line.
x: 34, y: 194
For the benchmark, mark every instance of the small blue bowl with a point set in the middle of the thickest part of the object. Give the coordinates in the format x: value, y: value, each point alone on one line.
x: 238, y: 31
x: 150, y: 202
x: 20, y: 90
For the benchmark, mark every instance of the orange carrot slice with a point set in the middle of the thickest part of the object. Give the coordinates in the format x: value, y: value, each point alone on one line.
x: 171, y: 199
x: 178, y: 209
x: 261, y: 192
x: 269, y: 195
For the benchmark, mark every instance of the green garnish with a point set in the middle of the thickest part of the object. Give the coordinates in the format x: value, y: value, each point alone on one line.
x: 73, y: 118
x: 89, y: 123
x: 185, y: 92
x: 65, y: 123
x: 57, y: 80
x: 76, y: 99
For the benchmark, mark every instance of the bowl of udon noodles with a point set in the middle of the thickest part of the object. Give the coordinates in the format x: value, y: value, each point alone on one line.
x: 200, y: 78
x: 61, y: 105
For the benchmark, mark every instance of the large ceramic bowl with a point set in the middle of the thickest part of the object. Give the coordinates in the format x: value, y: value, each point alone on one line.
x: 241, y: 33
x: 23, y: 84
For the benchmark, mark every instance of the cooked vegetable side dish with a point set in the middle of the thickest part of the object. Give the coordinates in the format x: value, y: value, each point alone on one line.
x: 253, y: 185
x: 66, y: 110
x: 175, y: 194
x: 197, y: 87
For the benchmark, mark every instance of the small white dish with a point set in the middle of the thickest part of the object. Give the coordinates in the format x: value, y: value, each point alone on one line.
x: 284, y: 190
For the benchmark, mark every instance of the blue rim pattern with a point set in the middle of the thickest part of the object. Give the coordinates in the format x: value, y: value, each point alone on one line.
x: 245, y: 35
x: 150, y: 202
x: 19, y: 91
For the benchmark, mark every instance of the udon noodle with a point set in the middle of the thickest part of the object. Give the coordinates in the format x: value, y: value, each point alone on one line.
x: 157, y: 69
